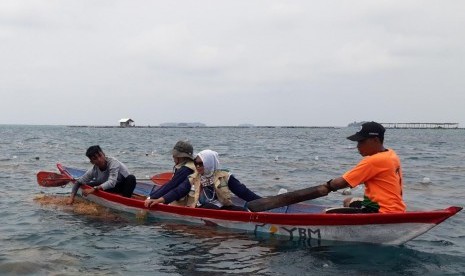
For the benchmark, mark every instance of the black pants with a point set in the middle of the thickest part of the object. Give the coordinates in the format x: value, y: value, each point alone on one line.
x: 357, y: 204
x: 229, y: 208
x: 125, y: 187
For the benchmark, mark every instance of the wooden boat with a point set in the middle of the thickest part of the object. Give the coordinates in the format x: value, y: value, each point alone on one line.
x: 298, y: 222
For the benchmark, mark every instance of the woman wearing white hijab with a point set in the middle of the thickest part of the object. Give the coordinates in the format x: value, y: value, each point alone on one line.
x: 211, y: 187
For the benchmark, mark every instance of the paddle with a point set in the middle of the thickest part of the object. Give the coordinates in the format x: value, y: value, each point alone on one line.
x: 162, y: 178
x: 272, y: 202
x: 51, y: 179
x: 159, y: 179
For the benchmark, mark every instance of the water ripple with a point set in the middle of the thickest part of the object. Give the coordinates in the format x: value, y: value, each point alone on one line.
x: 50, y: 238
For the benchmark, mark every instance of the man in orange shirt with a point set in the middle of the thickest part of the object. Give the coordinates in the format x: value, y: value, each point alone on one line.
x: 379, y: 170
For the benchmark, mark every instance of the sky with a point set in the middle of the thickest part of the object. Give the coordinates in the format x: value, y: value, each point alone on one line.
x: 225, y: 63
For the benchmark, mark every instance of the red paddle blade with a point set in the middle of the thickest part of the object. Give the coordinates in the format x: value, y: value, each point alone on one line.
x: 64, y: 172
x: 162, y: 178
x: 51, y: 179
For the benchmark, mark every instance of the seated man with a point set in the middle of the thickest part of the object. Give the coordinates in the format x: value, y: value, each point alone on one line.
x: 183, y: 167
x: 379, y: 170
x: 107, y: 174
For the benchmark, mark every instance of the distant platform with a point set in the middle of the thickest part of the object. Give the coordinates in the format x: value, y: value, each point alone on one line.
x: 386, y: 125
x: 204, y: 126
x: 422, y: 125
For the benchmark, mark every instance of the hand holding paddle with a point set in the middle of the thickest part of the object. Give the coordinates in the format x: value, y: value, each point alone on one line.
x: 272, y: 202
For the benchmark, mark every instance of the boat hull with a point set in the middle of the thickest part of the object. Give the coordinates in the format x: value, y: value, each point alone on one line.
x: 304, y: 223
x: 390, y: 229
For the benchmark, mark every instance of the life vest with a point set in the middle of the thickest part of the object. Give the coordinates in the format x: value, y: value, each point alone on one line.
x: 220, y: 183
x: 190, y: 164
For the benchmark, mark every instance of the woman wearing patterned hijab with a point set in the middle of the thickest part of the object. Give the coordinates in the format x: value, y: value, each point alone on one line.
x: 210, y: 187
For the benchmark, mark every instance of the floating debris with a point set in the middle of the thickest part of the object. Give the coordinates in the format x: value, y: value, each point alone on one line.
x: 141, y: 215
x: 426, y: 180
x: 80, y: 206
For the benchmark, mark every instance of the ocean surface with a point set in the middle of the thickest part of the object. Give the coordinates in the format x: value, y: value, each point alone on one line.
x: 40, y: 237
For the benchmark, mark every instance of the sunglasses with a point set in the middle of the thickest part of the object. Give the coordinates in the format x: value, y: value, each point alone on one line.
x: 198, y: 164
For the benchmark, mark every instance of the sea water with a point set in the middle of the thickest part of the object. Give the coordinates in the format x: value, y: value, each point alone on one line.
x: 41, y: 235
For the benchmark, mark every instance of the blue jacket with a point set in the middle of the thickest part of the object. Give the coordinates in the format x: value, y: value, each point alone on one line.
x: 234, y: 185
x: 173, y: 189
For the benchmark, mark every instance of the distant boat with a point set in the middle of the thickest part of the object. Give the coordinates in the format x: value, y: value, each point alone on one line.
x: 246, y: 125
x: 194, y: 124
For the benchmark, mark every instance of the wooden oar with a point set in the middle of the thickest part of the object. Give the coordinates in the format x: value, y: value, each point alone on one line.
x: 51, y: 179
x: 272, y: 202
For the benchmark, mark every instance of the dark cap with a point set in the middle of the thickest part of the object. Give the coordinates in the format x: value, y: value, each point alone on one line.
x: 368, y: 130
x: 93, y: 150
x: 183, y: 149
